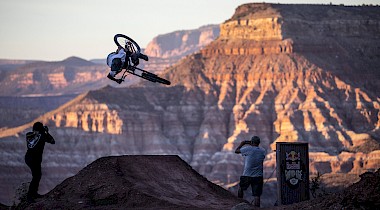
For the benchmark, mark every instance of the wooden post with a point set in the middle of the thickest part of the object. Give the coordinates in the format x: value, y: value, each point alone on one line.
x: 292, y: 172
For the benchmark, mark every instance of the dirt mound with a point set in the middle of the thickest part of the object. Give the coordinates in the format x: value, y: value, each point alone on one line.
x: 364, y: 194
x: 143, y: 182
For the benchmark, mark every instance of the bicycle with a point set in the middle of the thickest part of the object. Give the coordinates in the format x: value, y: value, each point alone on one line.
x: 130, y: 45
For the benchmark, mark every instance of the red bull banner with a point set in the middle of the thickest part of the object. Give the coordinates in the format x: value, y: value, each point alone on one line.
x: 292, y: 172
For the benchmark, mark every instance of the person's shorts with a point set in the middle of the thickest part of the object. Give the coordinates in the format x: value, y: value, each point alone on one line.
x: 116, y: 65
x: 256, y: 184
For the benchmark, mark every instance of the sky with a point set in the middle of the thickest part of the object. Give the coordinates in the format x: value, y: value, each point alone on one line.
x: 53, y: 30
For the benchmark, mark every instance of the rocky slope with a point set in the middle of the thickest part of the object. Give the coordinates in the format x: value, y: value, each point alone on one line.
x: 262, y: 76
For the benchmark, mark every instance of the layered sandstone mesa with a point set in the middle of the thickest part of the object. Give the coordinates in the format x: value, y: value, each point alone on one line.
x: 290, y: 73
x: 340, y: 39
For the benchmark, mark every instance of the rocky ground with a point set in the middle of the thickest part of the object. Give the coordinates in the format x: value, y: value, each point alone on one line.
x: 364, y: 194
x: 167, y: 182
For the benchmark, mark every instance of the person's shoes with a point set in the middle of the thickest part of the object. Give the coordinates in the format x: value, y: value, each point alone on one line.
x: 119, y: 81
x: 30, y: 200
x: 38, y: 196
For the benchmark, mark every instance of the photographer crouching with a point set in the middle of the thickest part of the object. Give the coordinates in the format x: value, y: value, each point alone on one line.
x: 35, y: 142
x: 253, y: 168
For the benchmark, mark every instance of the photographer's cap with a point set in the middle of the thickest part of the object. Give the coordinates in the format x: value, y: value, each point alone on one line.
x: 255, y: 140
x: 38, y: 126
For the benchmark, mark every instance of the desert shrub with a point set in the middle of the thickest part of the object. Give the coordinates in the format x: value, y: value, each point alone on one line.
x: 315, y: 186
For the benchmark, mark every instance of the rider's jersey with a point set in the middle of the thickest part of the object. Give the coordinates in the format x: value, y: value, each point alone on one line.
x: 121, y: 54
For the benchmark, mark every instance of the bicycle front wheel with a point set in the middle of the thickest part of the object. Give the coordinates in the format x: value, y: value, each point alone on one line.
x: 126, y: 42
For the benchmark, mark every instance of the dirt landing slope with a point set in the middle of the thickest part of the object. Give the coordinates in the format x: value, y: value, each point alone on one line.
x: 141, y: 182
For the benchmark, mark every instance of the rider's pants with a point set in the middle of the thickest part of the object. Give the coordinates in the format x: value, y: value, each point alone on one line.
x: 116, y: 66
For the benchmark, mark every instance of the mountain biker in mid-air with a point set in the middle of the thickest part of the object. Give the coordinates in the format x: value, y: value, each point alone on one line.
x: 119, y: 60
x: 127, y: 58
x: 116, y: 60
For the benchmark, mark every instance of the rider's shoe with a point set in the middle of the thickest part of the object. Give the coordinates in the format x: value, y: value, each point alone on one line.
x: 110, y: 77
x: 113, y: 79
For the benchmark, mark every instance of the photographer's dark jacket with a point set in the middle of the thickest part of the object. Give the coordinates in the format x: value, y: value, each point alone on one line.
x: 35, y: 144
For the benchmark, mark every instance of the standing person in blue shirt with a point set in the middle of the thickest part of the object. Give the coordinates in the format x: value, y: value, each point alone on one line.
x: 253, y: 168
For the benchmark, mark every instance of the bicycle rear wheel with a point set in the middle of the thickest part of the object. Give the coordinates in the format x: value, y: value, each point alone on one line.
x: 126, y: 42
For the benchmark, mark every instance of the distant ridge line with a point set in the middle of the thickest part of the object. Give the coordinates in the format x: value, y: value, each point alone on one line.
x: 43, y: 118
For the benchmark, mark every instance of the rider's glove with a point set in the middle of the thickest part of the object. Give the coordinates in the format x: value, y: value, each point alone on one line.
x: 135, y: 59
x: 135, y: 56
x: 135, y: 62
